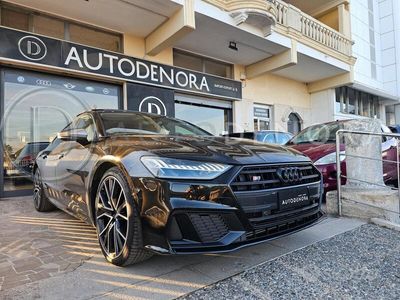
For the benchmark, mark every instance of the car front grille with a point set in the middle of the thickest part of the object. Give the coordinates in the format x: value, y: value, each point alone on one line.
x: 264, y: 177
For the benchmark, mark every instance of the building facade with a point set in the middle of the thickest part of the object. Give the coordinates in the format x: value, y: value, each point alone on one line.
x: 225, y: 65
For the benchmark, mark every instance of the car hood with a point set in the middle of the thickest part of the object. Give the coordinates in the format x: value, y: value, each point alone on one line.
x: 211, y: 149
x: 315, y: 151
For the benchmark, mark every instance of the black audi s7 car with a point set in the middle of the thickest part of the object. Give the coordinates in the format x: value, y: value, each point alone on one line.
x: 153, y: 184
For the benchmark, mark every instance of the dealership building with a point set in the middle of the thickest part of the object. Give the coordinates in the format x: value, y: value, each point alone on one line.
x: 224, y: 65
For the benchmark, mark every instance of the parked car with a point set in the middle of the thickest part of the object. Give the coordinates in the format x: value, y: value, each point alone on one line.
x: 318, y: 142
x: 19, y: 166
x: 26, y: 156
x: 153, y: 184
x: 395, y: 128
x: 264, y: 136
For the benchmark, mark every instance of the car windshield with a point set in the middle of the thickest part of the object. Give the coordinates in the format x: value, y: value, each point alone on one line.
x: 137, y: 123
x: 322, y: 133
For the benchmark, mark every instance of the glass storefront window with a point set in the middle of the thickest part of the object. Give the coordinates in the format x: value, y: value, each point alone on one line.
x: 211, y: 119
x: 217, y: 68
x: 36, y: 107
x: 92, y: 37
x: 202, y: 64
x: 187, y: 61
x: 48, y: 26
x: 14, y: 19
x: 351, y: 101
x: 33, y: 21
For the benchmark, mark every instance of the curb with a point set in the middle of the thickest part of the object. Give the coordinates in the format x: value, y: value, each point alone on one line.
x: 385, y: 223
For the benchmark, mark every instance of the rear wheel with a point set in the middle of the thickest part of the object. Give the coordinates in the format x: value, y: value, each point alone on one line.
x: 117, y: 221
x: 40, y: 201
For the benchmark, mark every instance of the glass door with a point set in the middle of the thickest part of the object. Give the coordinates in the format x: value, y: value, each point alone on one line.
x: 215, y: 120
x: 35, y: 107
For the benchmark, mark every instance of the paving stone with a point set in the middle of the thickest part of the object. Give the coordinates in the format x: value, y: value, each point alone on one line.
x: 39, y: 276
x: 25, y: 264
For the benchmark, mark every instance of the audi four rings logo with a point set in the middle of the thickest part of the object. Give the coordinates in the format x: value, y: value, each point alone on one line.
x: 289, y: 175
x: 32, y: 48
x: 43, y: 82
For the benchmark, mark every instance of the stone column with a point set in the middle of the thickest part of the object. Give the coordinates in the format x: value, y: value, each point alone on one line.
x: 362, y: 171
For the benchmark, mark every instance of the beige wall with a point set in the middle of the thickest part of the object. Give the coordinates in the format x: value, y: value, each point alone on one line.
x: 331, y: 19
x: 135, y: 46
x: 284, y: 95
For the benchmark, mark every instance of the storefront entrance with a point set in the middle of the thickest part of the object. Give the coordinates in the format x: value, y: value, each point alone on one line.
x: 35, y: 107
x: 212, y: 115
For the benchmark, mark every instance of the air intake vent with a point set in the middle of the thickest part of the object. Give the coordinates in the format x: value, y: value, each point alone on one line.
x: 209, y: 227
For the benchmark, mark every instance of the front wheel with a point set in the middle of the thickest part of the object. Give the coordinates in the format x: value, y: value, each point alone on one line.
x: 117, y: 221
x: 40, y: 201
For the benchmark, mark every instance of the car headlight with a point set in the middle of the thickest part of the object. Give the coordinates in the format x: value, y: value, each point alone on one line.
x: 183, y: 169
x: 330, y: 159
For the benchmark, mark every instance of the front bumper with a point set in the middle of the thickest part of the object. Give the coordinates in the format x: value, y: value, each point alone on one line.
x: 196, y: 217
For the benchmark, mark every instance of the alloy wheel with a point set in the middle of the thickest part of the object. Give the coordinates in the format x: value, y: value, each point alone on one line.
x: 112, y: 216
x: 37, y: 189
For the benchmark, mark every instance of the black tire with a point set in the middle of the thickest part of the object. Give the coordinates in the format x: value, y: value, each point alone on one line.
x: 40, y: 201
x: 118, y: 225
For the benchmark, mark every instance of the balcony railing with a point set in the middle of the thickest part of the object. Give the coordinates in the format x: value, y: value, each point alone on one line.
x: 288, y: 16
x: 292, y: 22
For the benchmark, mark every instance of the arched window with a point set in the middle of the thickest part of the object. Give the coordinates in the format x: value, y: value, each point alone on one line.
x: 294, y: 123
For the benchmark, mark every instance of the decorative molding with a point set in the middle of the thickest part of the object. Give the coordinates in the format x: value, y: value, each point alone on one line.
x: 259, y: 13
x: 288, y: 20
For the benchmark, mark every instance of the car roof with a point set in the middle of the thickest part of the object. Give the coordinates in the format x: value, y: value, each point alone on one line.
x: 107, y: 110
x: 261, y: 131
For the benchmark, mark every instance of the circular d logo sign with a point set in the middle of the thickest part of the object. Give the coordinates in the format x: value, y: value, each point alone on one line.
x: 153, y: 105
x: 32, y: 48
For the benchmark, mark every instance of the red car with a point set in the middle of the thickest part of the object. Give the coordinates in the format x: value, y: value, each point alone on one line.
x: 318, y: 142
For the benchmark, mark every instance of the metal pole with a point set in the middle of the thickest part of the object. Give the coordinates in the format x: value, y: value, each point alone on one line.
x: 338, y: 174
x: 398, y: 171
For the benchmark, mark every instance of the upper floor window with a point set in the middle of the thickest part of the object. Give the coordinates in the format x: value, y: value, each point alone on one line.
x: 32, y: 21
x: 202, y: 64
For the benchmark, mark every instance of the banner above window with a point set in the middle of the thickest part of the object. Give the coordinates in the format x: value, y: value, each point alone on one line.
x: 22, y: 46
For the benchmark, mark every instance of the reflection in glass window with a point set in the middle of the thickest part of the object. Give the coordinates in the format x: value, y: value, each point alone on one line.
x: 36, y: 108
x: 211, y: 119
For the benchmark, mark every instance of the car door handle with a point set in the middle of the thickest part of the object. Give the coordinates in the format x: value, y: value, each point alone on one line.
x: 61, y: 156
x: 44, y: 156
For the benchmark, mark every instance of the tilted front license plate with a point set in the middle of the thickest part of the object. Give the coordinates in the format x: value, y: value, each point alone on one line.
x: 292, y: 198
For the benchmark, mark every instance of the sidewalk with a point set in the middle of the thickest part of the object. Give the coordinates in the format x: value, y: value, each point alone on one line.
x: 53, y: 256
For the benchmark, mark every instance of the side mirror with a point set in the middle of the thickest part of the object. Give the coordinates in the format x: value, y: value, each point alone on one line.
x: 78, y: 135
